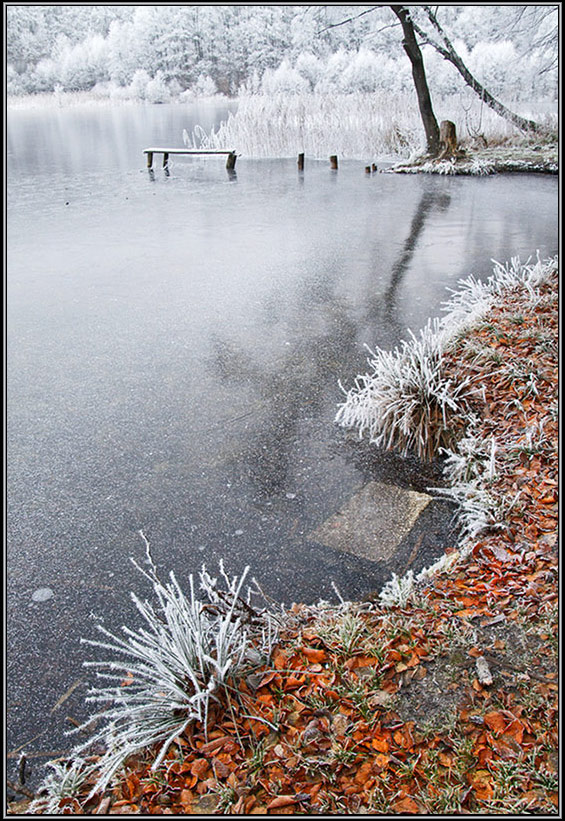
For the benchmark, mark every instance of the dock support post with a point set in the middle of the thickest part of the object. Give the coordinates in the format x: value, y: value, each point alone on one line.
x: 149, y: 159
x: 301, y: 162
x: 230, y: 164
x: 333, y: 162
x: 165, y: 160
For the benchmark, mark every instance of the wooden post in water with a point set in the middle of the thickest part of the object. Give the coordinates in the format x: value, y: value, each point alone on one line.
x: 333, y: 162
x: 230, y: 164
x: 149, y: 159
x: 301, y: 162
x: 165, y: 160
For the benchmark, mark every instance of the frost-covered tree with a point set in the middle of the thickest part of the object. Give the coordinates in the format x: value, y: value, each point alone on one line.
x: 414, y: 53
x: 284, y: 80
x: 510, y: 50
x: 441, y: 42
x: 362, y: 73
x: 83, y: 65
x: 335, y: 66
x: 310, y: 67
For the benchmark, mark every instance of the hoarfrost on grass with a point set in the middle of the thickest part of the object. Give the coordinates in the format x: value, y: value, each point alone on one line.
x: 406, y: 402
x: 354, y: 126
x: 395, y: 415
x: 398, y: 591
x: 189, y: 653
x: 65, y: 781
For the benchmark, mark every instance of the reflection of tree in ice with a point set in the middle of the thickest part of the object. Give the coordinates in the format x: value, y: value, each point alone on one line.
x: 290, y: 389
x: 321, y: 333
x: 382, y: 309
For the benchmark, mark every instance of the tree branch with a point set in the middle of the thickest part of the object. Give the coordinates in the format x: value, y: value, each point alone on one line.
x: 349, y: 19
x: 450, y: 54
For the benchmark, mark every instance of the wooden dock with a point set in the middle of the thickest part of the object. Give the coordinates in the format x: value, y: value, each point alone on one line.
x: 230, y: 163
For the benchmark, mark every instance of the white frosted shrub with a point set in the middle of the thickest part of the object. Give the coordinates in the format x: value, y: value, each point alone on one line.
x: 406, y: 401
x: 178, y: 664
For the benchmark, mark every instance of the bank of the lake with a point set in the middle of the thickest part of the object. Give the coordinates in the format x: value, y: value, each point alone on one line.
x: 527, y: 155
x: 445, y: 703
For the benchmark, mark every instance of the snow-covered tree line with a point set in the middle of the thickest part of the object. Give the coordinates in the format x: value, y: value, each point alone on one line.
x: 160, y: 52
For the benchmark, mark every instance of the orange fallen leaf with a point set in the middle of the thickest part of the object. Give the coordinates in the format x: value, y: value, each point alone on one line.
x: 281, y: 801
x: 292, y: 682
x: 403, y: 738
x: 380, y: 744
x: 215, y: 744
x: 468, y: 613
x: 314, y: 655
x: 445, y: 759
x: 531, y: 798
x: 186, y: 796
x: 496, y: 722
x: 199, y: 767
x: 267, y: 678
x: 481, y: 781
x: 362, y: 773
x: 515, y: 730
x: 406, y: 805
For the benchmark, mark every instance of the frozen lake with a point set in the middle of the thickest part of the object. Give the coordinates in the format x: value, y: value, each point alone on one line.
x: 174, y: 349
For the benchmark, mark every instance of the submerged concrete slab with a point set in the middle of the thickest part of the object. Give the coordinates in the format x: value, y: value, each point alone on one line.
x: 373, y: 522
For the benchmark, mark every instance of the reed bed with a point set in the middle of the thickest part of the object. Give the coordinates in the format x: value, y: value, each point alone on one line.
x: 354, y: 126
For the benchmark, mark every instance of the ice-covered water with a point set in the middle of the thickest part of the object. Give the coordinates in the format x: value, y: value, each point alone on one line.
x: 174, y: 349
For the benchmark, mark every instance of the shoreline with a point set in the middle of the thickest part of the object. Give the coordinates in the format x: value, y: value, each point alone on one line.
x: 530, y: 158
x: 441, y: 700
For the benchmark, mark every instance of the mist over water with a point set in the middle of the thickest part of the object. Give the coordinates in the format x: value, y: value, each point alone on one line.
x: 175, y: 345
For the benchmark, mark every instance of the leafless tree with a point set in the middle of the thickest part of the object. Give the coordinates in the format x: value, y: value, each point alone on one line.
x: 444, y: 46
x: 414, y: 53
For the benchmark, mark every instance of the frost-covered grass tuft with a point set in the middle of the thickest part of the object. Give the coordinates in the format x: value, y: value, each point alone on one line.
x: 518, y: 275
x: 406, y: 402
x: 166, y: 675
x: 64, y: 782
x: 344, y: 630
x: 472, y: 461
x: 476, y: 167
x: 442, y: 565
x: 355, y: 125
x: 480, y: 167
x: 398, y: 591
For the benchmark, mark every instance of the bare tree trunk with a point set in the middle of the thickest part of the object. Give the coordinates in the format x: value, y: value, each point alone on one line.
x: 448, y: 53
x: 412, y: 49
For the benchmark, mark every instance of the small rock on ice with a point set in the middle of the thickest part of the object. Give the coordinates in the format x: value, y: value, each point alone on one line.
x: 42, y: 594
